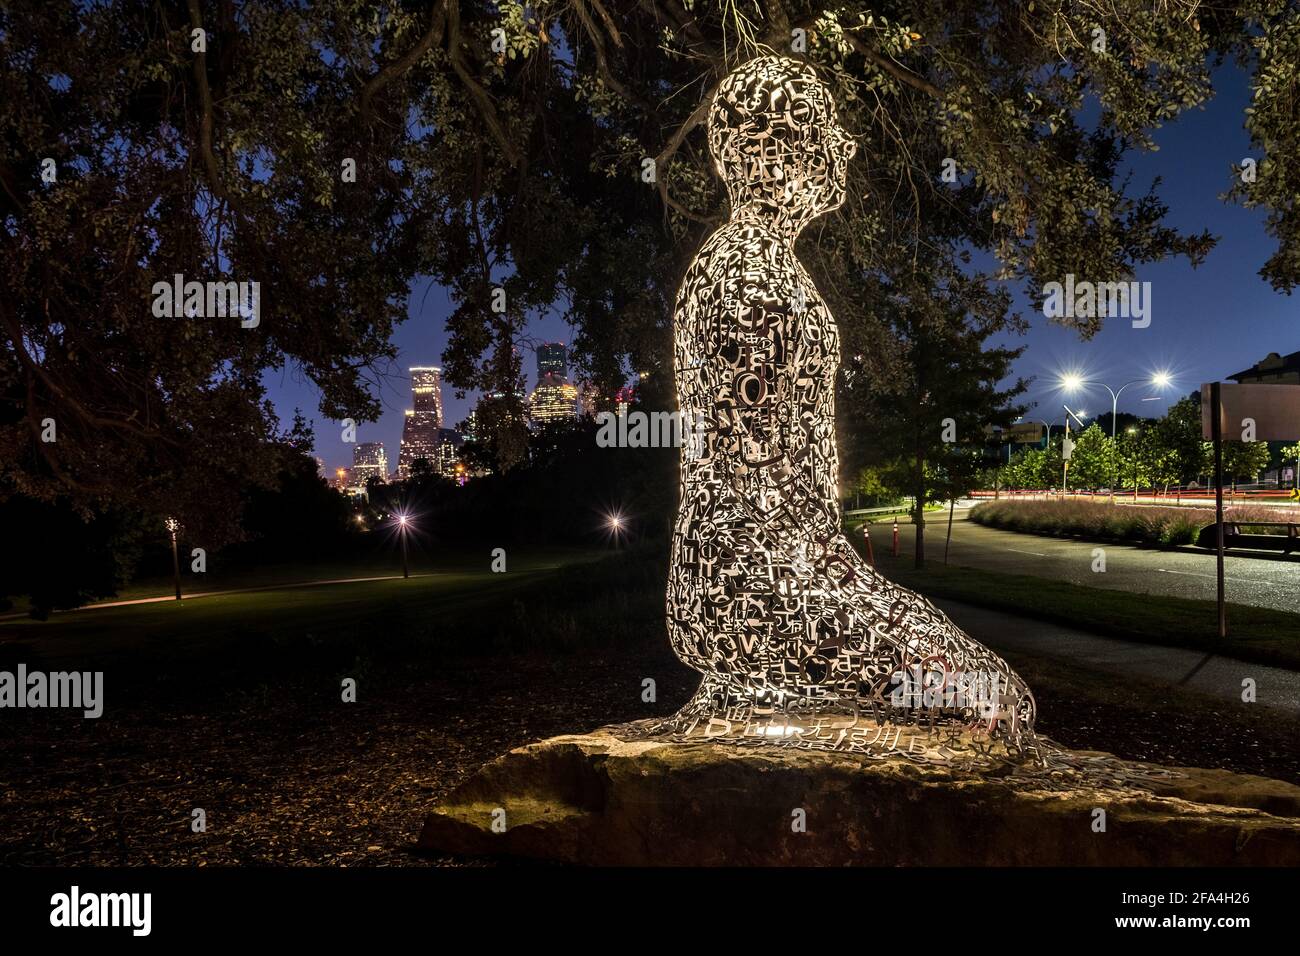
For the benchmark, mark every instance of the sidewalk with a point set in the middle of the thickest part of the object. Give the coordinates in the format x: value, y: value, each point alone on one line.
x: 1219, y: 677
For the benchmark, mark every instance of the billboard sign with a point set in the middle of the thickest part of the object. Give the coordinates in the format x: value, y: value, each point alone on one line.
x: 1268, y: 412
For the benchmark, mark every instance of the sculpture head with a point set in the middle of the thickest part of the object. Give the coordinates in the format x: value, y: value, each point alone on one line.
x: 777, y: 144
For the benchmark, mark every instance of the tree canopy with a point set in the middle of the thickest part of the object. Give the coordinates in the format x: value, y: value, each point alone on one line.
x: 335, y: 151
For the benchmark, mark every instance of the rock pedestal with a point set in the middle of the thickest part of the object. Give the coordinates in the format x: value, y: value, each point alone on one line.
x: 601, y: 800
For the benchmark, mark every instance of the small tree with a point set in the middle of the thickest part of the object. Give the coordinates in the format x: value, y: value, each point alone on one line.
x: 1179, y: 448
x: 1291, y: 453
x: 1244, y: 459
x: 944, y: 386
x: 1090, y: 461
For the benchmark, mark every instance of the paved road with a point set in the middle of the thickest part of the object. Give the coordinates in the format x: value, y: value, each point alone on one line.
x: 1260, y: 582
x: 1220, y: 677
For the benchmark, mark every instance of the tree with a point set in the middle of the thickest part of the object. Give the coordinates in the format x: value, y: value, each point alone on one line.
x: 1291, y: 453
x: 1181, y: 451
x: 1244, y: 459
x: 527, y: 157
x: 925, y: 418
x: 1138, y: 456
x: 871, y: 482
x: 1090, y: 461
x: 131, y: 152
x: 1032, y: 467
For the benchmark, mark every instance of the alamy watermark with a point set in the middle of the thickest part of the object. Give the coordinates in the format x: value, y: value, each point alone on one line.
x: 917, y: 688
x: 77, y: 909
x: 211, y: 300
x: 76, y: 689
x: 637, y: 429
x: 1098, y: 300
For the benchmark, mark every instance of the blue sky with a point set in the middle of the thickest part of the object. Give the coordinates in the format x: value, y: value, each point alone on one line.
x: 1206, y: 323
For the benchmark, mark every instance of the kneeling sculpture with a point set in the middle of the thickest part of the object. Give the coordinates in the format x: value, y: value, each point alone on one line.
x: 800, y: 642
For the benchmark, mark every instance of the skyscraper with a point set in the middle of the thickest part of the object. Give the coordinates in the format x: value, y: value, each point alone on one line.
x: 423, y: 420
x: 449, y: 444
x: 553, y: 400
x: 552, y: 359
x: 426, y: 390
x: 368, y: 459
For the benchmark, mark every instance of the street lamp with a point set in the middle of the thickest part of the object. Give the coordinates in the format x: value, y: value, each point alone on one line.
x: 403, y: 521
x: 1065, y: 444
x: 173, y: 526
x: 616, y: 524
x: 1072, y: 382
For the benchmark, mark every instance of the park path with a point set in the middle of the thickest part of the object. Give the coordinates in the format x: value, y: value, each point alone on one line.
x: 1207, y: 673
x: 1255, y: 581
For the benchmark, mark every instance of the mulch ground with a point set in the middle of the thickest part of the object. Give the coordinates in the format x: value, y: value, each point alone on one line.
x: 290, y: 775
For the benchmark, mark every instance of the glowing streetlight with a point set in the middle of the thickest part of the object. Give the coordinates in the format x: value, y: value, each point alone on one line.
x: 173, y: 526
x: 403, y: 522
x: 1072, y: 382
x: 616, y: 524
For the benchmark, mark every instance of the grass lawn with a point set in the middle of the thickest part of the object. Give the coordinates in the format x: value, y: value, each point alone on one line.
x: 904, y: 515
x: 384, y: 559
x: 1254, y: 634
x: 544, y: 600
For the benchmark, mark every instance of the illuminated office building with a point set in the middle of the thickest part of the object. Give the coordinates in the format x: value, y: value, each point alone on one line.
x: 552, y: 359
x: 553, y: 400
x: 423, y: 420
x: 369, y: 459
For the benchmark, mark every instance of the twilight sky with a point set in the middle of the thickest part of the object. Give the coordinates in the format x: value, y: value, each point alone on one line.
x: 1206, y: 323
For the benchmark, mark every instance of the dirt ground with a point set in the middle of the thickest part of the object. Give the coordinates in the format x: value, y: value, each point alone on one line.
x: 290, y: 775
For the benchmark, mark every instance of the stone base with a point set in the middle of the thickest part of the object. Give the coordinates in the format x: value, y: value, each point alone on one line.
x: 601, y: 800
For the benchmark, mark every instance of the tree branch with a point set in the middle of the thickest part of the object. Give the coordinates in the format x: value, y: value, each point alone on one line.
x: 479, y: 95
x: 205, y: 106
x: 674, y: 143
x: 431, y: 38
x: 900, y: 73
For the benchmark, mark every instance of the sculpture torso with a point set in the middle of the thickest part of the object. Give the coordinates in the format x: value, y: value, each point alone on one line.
x: 756, y: 353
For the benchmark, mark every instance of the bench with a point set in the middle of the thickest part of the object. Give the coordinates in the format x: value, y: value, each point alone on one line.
x: 1234, y: 537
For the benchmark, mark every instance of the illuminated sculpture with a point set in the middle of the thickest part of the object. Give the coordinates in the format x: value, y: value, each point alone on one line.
x: 800, y: 642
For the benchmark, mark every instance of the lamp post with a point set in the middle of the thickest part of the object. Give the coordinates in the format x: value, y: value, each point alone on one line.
x: 402, y: 522
x: 1073, y: 382
x: 1065, y: 444
x: 173, y: 526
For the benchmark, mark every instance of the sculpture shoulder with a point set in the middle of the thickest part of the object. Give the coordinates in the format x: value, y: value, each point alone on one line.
x: 741, y: 253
